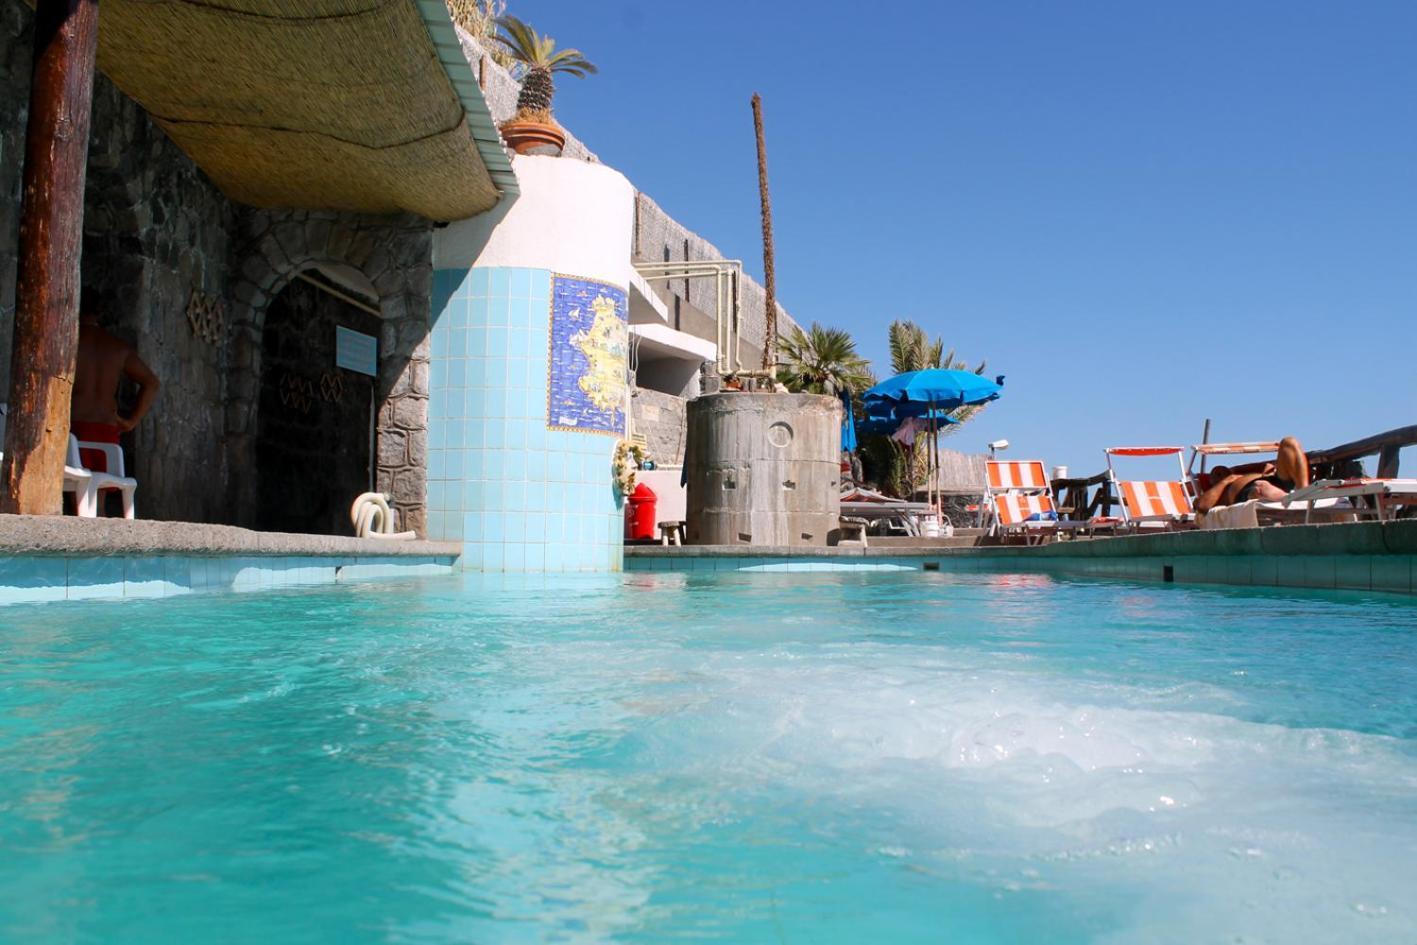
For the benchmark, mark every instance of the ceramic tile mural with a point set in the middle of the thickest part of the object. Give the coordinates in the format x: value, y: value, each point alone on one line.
x: 589, y: 343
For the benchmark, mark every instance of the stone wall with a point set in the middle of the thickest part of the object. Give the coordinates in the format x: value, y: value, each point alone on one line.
x: 660, y: 418
x: 156, y: 231
x: 159, y: 235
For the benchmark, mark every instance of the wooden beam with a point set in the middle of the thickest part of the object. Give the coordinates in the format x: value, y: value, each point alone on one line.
x: 1385, y: 444
x: 51, y: 231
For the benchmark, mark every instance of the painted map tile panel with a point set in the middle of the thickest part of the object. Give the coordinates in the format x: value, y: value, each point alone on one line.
x: 589, y: 341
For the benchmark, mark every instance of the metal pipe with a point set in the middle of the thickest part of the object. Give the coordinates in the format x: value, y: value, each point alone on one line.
x: 727, y: 275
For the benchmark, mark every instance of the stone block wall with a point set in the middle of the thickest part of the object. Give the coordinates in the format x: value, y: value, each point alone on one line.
x: 660, y: 418
x: 156, y: 231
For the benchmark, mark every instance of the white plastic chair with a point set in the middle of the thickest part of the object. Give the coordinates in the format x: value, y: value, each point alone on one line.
x: 77, y: 479
x: 99, y: 482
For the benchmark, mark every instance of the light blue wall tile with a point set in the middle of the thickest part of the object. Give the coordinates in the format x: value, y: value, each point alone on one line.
x: 500, y: 282
x: 520, y: 281
x: 24, y: 579
x: 491, y: 414
x: 144, y: 577
x: 96, y: 578
x: 177, y: 573
x: 1264, y: 570
x: 1320, y: 571
x: 1353, y: 571
x: 1391, y: 573
x: 1289, y: 571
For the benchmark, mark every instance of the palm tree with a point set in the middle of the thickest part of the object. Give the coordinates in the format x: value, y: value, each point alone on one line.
x: 539, y: 56
x: 822, y: 361
x: 911, y: 350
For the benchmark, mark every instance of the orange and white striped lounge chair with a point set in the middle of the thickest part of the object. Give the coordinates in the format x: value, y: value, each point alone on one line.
x: 1385, y: 493
x: 1019, y: 498
x: 1152, y: 501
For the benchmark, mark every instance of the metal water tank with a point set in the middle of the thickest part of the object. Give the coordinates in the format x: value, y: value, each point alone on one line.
x: 763, y: 469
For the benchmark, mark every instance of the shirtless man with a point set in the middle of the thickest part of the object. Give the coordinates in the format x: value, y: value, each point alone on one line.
x: 1268, y: 482
x: 103, y: 362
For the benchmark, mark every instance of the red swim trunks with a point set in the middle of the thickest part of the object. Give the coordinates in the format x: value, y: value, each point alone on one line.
x: 86, y: 431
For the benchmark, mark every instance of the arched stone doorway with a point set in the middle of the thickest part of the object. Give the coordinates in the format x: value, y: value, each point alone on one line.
x: 316, y: 413
x: 386, y: 262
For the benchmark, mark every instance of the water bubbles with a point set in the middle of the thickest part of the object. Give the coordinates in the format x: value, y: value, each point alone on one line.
x: 1369, y: 910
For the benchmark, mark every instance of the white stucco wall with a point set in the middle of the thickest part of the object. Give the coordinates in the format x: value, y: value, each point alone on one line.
x: 572, y: 217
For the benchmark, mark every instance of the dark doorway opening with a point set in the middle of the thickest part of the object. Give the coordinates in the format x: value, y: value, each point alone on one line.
x: 314, y: 421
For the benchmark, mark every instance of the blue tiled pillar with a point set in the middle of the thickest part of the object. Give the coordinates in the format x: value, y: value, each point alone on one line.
x: 520, y: 494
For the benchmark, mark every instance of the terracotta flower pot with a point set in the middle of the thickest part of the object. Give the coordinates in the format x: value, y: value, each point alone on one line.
x: 533, y: 137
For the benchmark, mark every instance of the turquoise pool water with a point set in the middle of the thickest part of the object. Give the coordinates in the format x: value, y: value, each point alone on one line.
x: 815, y: 758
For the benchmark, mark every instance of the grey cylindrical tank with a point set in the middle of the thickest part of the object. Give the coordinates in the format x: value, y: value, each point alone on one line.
x: 763, y: 469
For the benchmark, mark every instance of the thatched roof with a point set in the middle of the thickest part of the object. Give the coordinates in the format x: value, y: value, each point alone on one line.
x: 320, y: 104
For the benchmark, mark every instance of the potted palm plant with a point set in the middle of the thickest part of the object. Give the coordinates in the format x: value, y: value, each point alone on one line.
x: 532, y: 130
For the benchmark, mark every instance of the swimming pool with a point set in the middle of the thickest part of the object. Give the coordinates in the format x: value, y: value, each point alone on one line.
x: 661, y: 757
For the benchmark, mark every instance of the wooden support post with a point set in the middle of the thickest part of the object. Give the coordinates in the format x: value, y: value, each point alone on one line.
x: 769, y: 277
x: 46, y: 334
x: 1388, y: 461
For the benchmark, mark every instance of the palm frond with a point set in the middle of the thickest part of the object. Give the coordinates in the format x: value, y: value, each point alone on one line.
x: 822, y: 361
x: 537, y: 51
x: 518, y: 39
x: 571, y: 60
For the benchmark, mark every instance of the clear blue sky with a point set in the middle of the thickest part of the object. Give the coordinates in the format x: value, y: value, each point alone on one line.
x: 1143, y: 214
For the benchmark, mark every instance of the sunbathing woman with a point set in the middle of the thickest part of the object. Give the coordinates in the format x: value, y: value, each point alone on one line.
x: 1267, y: 482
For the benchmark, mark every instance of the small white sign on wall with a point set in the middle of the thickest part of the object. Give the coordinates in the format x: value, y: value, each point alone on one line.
x: 356, y: 351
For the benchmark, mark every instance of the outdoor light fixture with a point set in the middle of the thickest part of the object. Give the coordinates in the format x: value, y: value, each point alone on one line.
x: 997, y: 445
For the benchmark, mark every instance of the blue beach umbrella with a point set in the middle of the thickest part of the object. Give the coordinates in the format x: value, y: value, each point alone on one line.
x: 848, y: 424
x: 885, y: 418
x: 937, y: 387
